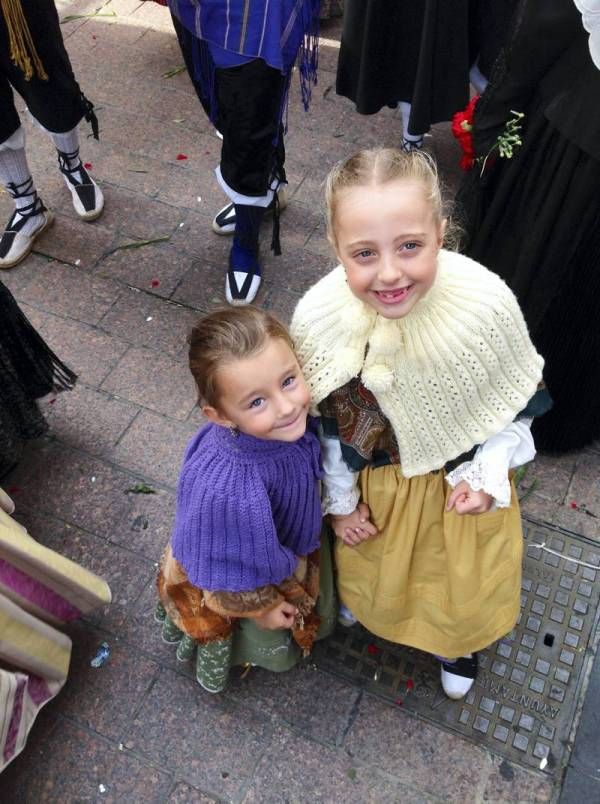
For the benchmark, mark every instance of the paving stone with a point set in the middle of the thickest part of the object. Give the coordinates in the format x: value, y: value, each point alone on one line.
x: 126, y: 573
x: 155, y: 381
x: 184, y: 793
x: 133, y: 213
x: 280, y: 301
x: 145, y: 320
x: 104, y: 698
x: 89, y: 419
x: 509, y: 782
x: 143, y: 632
x: 296, y: 269
x: 156, y: 268
x: 385, y: 737
x: 91, y: 494
x: 73, y: 764
x: 71, y: 291
x: 540, y: 508
x: 74, y: 241
x: 312, y: 702
x: 16, y: 279
x: 154, y: 446
x: 207, y: 739
x: 585, y: 484
x: 87, y: 350
x: 203, y: 286
x: 551, y: 476
x: 306, y: 771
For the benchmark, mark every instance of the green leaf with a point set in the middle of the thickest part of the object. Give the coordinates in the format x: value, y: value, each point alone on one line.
x: 529, y: 491
x: 138, y: 244
x: 174, y: 71
x: 351, y: 773
x: 96, y: 13
x: 140, y: 488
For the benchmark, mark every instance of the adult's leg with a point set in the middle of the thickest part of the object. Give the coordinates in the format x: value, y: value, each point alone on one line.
x: 57, y: 103
x: 30, y: 217
x: 250, y: 102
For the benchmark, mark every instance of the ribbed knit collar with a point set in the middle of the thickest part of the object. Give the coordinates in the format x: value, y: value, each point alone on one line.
x: 244, y: 444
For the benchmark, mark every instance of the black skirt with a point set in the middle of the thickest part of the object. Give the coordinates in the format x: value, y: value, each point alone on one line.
x: 28, y: 370
x: 535, y: 221
x: 418, y: 51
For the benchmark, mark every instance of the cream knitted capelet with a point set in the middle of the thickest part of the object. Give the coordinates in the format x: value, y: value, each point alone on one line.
x: 453, y: 372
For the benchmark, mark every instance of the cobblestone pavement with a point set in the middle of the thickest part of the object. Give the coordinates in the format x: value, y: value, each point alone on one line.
x: 139, y: 729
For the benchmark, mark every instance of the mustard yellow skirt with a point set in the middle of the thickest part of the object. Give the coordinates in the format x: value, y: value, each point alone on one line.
x: 440, y: 582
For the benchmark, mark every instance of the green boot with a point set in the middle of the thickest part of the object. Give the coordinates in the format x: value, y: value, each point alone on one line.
x: 170, y: 632
x: 212, y: 664
x: 186, y: 648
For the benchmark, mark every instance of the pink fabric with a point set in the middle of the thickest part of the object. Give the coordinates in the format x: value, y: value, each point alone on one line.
x: 15, y: 720
x: 38, y: 690
x: 35, y: 591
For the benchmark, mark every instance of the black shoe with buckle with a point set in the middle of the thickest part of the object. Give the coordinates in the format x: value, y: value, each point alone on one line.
x: 88, y: 200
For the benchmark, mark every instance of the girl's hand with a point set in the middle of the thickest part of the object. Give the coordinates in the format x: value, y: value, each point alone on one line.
x: 354, y: 528
x: 466, y: 501
x: 282, y: 616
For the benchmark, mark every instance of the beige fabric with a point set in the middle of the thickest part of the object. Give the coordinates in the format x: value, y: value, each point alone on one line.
x: 452, y: 373
x: 438, y: 581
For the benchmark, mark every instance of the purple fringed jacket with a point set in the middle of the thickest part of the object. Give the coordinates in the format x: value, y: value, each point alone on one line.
x: 246, y: 509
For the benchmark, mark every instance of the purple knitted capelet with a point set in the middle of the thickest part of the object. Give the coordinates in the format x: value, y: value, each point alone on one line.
x: 246, y: 509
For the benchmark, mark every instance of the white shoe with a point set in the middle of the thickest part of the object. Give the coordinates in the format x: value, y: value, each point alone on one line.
x: 345, y: 617
x: 14, y: 244
x: 458, y: 676
x: 87, y: 197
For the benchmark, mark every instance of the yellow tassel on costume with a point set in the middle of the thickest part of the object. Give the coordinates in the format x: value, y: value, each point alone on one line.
x: 22, y: 48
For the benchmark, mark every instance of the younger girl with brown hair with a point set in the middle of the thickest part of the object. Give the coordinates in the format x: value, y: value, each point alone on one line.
x: 425, y: 377
x: 240, y: 579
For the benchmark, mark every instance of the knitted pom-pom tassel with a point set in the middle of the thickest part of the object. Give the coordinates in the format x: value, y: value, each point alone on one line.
x: 378, y: 378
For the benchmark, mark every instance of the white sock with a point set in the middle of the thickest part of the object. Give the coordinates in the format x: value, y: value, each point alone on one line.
x: 68, y: 143
x: 405, y: 111
x: 478, y: 79
x: 15, y: 170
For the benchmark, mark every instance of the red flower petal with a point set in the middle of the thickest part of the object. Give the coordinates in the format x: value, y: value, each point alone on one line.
x: 155, y: 283
x: 573, y: 505
x: 88, y: 165
x: 52, y: 401
x: 179, y: 157
x: 372, y: 649
x: 409, y: 684
x: 13, y: 489
x: 398, y: 701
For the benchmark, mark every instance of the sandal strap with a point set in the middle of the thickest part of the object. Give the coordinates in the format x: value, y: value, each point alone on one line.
x: 464, y: 666
x: 21, y: 189
x: 64, y: 159
x: 20, y: 216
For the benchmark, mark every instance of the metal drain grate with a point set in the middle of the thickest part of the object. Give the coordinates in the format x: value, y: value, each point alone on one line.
x: 524, y: 700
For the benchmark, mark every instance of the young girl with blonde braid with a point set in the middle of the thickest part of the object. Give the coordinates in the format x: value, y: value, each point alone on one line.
x: 421, y: 368
x: 239, y: 582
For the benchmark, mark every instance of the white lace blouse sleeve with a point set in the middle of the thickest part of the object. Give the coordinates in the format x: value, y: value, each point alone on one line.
x: 488, y: 471
x: 340, y: 485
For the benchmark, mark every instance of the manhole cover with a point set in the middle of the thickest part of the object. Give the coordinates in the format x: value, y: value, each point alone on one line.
x: 523, y: 702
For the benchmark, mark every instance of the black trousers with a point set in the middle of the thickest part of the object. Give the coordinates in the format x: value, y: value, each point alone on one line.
x: 58, y: 103
x: 249, y: 101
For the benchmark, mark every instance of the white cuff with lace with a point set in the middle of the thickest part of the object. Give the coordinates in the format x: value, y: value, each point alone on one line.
x: 488, y: 471
x: 340, y: 484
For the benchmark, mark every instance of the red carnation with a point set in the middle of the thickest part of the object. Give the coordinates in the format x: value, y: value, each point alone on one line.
x: 462, y: 126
